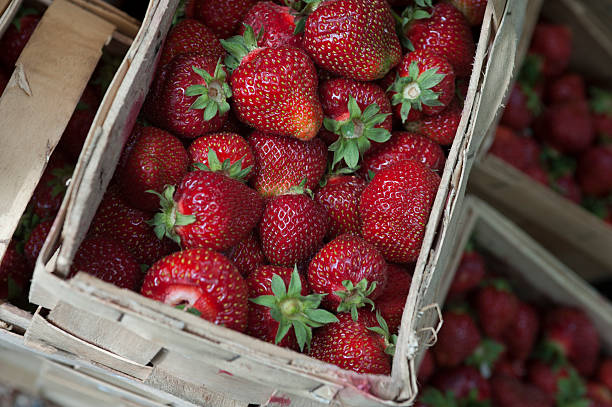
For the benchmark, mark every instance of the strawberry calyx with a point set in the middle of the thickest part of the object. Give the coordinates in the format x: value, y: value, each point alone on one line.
x: 552, y: 352
x: 485, y: 355
x: 303, y: 9
x: 382, y: 329
x: 531, y: 71
x: 355, y: 296
x: 557, y: 164
x: 23, y: 13
x: 212, y: 97
x: 234, y: 170
x: 28, y: 221
x: 239, y: 46
x: 601, y: 101
x: 61, y: 179
x: 300, y: 189
x: 413, y: 12
x: 291, y: 309
x: 597, y: 206
x: 414, y: 90
x: 165, y: 221
x: 499, y: 284
x: 534, y: 104
x: 571, y: 390
x: 355, y: 133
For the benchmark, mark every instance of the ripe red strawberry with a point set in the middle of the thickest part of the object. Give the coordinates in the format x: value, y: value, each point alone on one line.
x: 566, y: 88
x: 547, y: 377
x: 519, y: 151
x: 601, y: 107
x: 351, y: 345
x: 282, y: 311
x: 522, y: 107
x: 340, y: 196
x: 49, y: 192
x: 208, y: 210
x: 403, y: 146
x: 427, y: 367
x: 446, y: 33
x: 462, y: 381
x: 275, y: 89
x: 228, y: 148
x: 567, y: 186
x: 14, y: 273
x: 356, y: 113
x: 190, y: 35
x: 506, y: 366
x: 278, y: 24
x: 497, y: 307
x: 469, y: 274
x: 570, y: 334
x: 522, y: 332
x: 157, y: 159
x: 201, y: 281
x: 222, y: 16
x: 392, y: 301
x: 604, y: 373
x: 473, y: 10
x: 553, y: 43
x: 508, y: 391
x: 598, y: 395
x: 442, y: 127
x: 77, y: 128
x: 188, y: 96
x: 247, y: 255
x: 282, y: 162
x: 35, y: 242
x: 594, y: 169
x: 457, y: 340
x: 17, y: 36
x: 426, y: 83
x: 567, y: 127
x: 350, y: 272
x: 538, y: 174
x: 109, y: 261
x: 292, y: 228
x: 395, y: 207
x: 353, y: 38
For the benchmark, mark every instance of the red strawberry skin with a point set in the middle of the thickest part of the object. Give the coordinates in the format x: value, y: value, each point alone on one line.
x: 350, y: 345
x: 569, y: 188
x: 292, y: 228
x: 521, y: 334
x: 227, y: 146
x: 457, y: 340
x: 275, y: 91
x: 347, y: 257
x: 566, y: 88
x: 222, y: 16
x: 202, y: 279
x: 546, y: 377
x: 446, y: 33
x: 283, y: 162
x: 77, y: 128
x: 517, y: 113
x: 519, y: 151
x: 247, y: 255
x: 473, y: 10
x: 260, y: 323
x: 49, y: 192
x: 553, y: 42
x: 469, y: 274
x: 427, y: 368
x: 190, y: 35
x: 128, y: 226
x: 353, y: 38
x: 35, y: 242
x: 402, y: 146
x: 567, y: 127
x: 440, y: 128
x: 157, y: 159
x: 538, y: 174
x: 598, y: 395
x: 340, y: 196
x: 497, y: 309
x: 461, y: 381
x: 14, y: 40
x: 13, y: 266
x: 594, y: 169
x: 226, y: 210
x: 391, y: 302
x: 277, y: 22
x: 604, y: 373
x: 395, y: 207
x: 508, y: 391
x: 109, y: 261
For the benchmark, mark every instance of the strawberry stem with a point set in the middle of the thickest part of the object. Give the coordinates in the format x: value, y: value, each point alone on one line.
x: 239, y: 46
x: 383, y: 330
x: 169, y: 217
x: 212, y: 97
x: 234, y: 170
x: 355, y: 296
x: 414, y: 90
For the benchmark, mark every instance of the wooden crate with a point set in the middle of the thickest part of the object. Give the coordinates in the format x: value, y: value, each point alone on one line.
x: 167, y: 348
x: 574, y: 235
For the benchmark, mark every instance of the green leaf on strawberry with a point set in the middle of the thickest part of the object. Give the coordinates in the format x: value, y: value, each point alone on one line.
x: 383, y: 330
x: 212, y: 97
x: 414, y: 90
x: 163, y: 223
x: 293, y: 310
x: 355, y: 296
x: 239, y: 46
x: 59, y: 182
x: 571, y: 391
x: 601, y: 101
x: 485, y: 356
x: 234, y: 170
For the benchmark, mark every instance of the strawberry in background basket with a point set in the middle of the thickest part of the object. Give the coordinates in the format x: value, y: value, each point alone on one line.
x: 16, y: 36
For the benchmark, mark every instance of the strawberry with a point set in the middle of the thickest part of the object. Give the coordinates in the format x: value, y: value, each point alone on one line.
x: 247, y: 255
x: 446, y: 33
x: 519, y: 151
x: 427, y: 367
x: 569, y: 334
x: 49, y: 192
x: 538, y: 174
x: 567, y: 127
x: 17, y: 36
x: 222, y: 16
x: 190, y: 35
x: 107, y: 260
x: 441, y: 127
x: 208, y: 210
x: 349, y: 272
x: 594, y: 169
x: 473, y: 10
x: 601, y: 108
x: 457, y: 340
x: 157, y: 159
x: 188, y: 96
x: 521, y: 334
x: 394, y: 209
x: 277, y: 22
x: 351, y: 345
x: 14, y: 273
x: 393, y: 299
x: 282, y: 311
x: 200, y: 281
x: 425, y: 83
x: 128, y: 226
x: 566, y: 88
x: 497, y: 307
x: 598, y: 395
x: 292, y: 228
x: 462, y: 381
x: 403, y: 146
x: 4, y: 78
x: 546, y: 377
x: 35, y: 242
x: 77, y: 128
x: 275, y: 89
x: 353, y: 38
x: 356, y: 113
x: 469, y: 274
x: 508, y: 391
x: 604, y: 373
x: 282, y: 162
x: 568, y: 187
x: 553, y: 43
x: 505, y: 365
x: 227, y: 150
x: 522, y: 107
x: 340, y: 197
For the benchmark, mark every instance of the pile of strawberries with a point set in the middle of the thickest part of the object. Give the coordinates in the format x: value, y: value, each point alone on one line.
x: 496, y: 350
x: 554, y: 130
x: 293, y: 154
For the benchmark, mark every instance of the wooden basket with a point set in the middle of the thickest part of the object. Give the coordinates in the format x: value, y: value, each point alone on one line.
x: 181, y: 353
x: 574, y: 235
